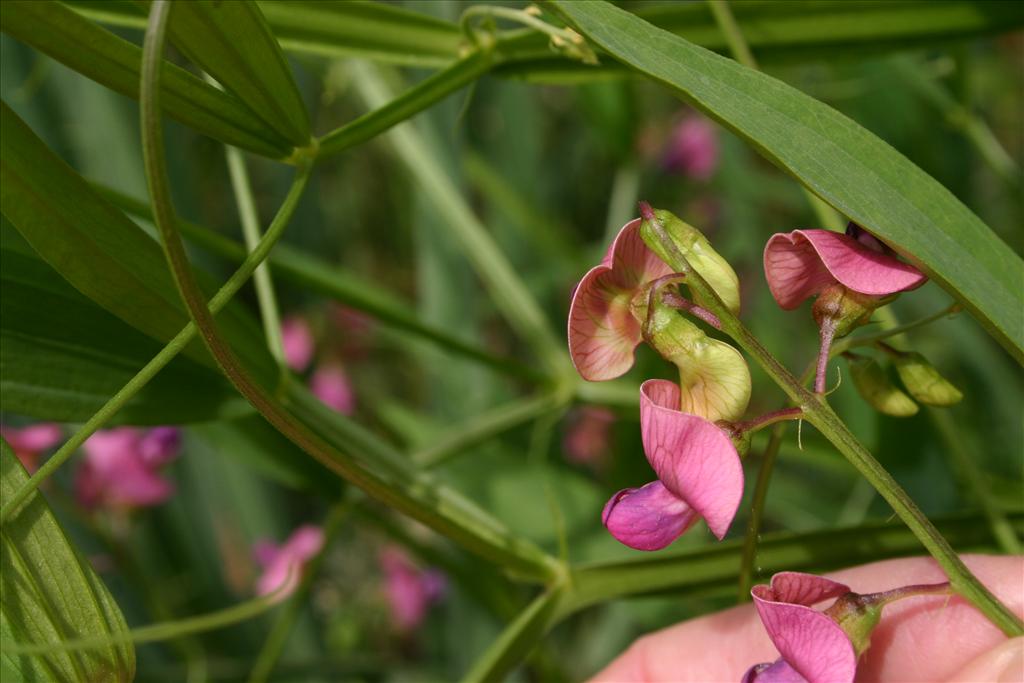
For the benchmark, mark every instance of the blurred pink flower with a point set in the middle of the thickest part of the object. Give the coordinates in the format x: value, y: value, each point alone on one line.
x: 587, y: 437
x: 802, y: 263
x: 331, y: 385
x: 603, y: 330
x: 29, y: 442
x: 692, y: 148
x: 410, y: 591
x: 283, y: 564
x: 120, y: 468
x: 813, y: 646
x: 297, y: 341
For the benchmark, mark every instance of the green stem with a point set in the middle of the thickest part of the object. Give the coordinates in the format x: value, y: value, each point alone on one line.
x: 426, y: 93
x: 820, y: 414
x: 1002, y: 530
x: 750, y: 541
x: 871, y: 339
x: 393, y: 485
x: 278, y: 636
x: 167, y: 354
x: 251, y: 233
x: 484, y: 426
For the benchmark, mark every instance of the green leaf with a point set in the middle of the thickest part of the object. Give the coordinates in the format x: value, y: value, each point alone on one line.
x: 49, y: 595
x: 114, y: 62
x: 98, y: 250
x: 232, y: 42
x: 62, y: 356
x: 851, y: 169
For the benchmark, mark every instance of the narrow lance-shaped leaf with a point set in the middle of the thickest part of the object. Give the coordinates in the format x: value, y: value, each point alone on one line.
x: 49, y: 595
x: 97, y: 249
x: 232, y: 42
x: 62, y: 357
x: 847, y: 166
x: 98, y: 54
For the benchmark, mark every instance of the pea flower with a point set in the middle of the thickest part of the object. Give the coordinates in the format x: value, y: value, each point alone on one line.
x: 29, y: 442
x: 587, y: 437
x: 297, y: 343
x: 852, y: 275
x: 120, y: 469
x: 331, y: 385
x: 699, y: 475
x: 819, y: 646
x: 692, y: 149
x: 410, y: 591
x: 283, y: 564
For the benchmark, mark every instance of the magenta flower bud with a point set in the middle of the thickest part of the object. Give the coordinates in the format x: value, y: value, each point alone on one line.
x: 410, y: 591
x: 694, y: 459
x: 330, y: 384
x: 159, y: 446
x: 297, y: 343
x: 114, y: 473
x: 608, y: 305
x: 283, y: 565
x: 692, y: 149
x: 647, y: 518
x: 29, y: 442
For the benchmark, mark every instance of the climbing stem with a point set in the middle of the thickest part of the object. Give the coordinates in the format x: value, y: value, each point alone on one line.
x: 818, y: 413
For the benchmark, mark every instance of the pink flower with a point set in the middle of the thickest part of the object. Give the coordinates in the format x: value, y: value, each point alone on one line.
x: 410, y: 591
x: 120, y: 469
x: 699, y: 475
x: 283, y: 564
x: 813, y: 646
x: 159, y: 446
x: 802, y: 263
x: 330, y: 384
x: 297, y: 342
x: 604, y: 331
x: 693, y: 149
x: 587, y: 437
x: 29, y: 442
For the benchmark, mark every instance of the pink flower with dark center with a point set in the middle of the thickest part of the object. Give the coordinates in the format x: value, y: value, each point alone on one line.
x: 802, y: 263
x: 29, y: 442
x: 297, y: 343
x: 604, y: 318
x: 410, y: 591
x: 587, y: 438
x: 331, y: 385
x: 813, y: 646
x: 699, y: 475
x: 692, y: 149
x: 115, y: 472
x: 283, y: 564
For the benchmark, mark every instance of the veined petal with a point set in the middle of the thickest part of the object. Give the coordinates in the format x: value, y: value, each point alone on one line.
x: 693, y: 458
x: 715, y: 381
x: 647, y: 518
x: 810, y: 641
x: 603, y: 333
x: 801, y: 263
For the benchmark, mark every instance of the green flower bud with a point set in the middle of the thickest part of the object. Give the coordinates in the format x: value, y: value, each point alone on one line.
x: 844, y: 308
x: 874, y: 385
x: 857, y: 615
x: 924, y: 382
x: 699, y: 254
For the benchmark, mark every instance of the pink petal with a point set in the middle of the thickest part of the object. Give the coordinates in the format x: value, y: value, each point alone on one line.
x: 109, y: 450
x: 284, y: 564
x: 305, y: 542
x: 693, y: 458
x: 811, y: 642
x: 647, y: 518
x: 297, y: 343
x: 159, y: 446
x: 799, y: 588
x: 801, y: 263
x: 32, y: 438
x: 265, y: 551
x: 602, y: 331
x: 693, y: 149
x: 137, y: 486
x: 778, y: 671
x: 330, y: 384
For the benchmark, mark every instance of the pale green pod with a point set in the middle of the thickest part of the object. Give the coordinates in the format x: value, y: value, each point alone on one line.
x: 875, y: 387
x: 924, y: 382
x: 699, y: 254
